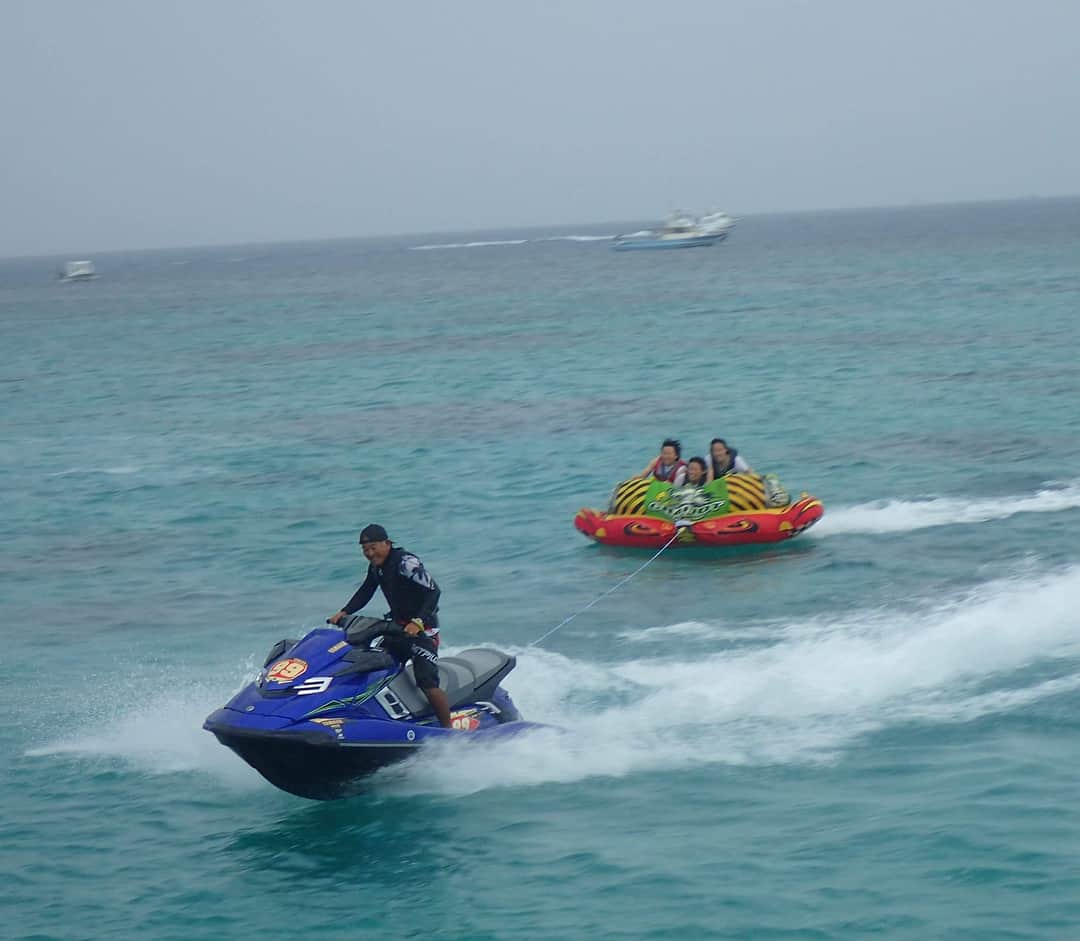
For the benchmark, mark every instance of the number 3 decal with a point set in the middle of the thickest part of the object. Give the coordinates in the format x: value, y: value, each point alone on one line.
x: 313, y: 684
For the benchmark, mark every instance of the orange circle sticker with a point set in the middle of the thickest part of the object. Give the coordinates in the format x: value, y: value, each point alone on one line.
x: 285, y: 671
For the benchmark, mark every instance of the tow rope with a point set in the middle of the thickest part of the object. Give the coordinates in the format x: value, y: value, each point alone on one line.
x: 613, y: 588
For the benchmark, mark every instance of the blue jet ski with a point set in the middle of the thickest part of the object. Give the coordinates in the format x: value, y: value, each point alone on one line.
x: 331, y: 708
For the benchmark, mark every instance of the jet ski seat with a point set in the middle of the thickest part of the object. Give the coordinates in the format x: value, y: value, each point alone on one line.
x: 466, y: 677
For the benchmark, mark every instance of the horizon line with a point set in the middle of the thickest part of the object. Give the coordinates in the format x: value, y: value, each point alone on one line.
x: 530, y: 227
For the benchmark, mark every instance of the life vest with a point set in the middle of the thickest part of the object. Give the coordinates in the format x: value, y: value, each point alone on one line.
x: 729, y: 468
x: 672, y: 473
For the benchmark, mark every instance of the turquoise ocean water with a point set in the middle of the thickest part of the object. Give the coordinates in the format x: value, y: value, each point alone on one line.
x: 868, y: 732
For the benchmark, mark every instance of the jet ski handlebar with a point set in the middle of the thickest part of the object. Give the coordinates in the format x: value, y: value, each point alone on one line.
x: 360, y: 631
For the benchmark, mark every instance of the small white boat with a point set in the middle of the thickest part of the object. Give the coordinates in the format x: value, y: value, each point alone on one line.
x: 680, y: 230
x: 78, y: 271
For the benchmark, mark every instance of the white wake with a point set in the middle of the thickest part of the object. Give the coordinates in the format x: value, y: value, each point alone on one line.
x: 799, y: 691
x: 898, y: 516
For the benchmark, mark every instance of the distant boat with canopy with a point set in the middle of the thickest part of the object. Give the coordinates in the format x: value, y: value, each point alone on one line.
x: 681, y: 229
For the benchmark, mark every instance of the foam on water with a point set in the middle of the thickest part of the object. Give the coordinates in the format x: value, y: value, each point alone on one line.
x: 578, y: 238
x: 489, y: 243
x: 804, y: 695
x: 154, y: 725
x: 665, y: 633
x: 897, y: 516
x: 484, y: 244
x: 817, y: 688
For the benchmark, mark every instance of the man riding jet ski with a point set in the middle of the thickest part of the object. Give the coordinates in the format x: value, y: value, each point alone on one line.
x: 331, y: 708
x: 413, y: 597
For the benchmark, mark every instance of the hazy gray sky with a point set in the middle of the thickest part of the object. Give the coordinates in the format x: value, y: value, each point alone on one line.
x: 146, y: 123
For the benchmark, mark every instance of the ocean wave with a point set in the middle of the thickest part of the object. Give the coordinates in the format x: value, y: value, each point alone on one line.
x: 896, y: 516
x: 80, y: 471
x: 152, y: 475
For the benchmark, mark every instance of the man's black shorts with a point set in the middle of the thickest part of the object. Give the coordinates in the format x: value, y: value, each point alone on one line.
x: 424, y: 655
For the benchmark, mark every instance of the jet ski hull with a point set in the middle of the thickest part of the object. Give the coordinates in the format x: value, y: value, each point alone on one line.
x: 311, y: 766
x: 322, y: 766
